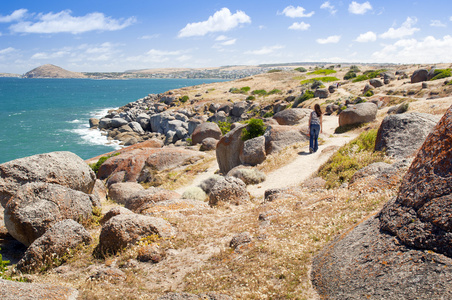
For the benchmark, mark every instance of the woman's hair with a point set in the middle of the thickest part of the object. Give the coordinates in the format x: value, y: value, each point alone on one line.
x: 317, y: 109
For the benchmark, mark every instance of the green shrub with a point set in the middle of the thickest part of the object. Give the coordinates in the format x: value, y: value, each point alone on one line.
x: 254, y: 128
x: 184, y: 99
x: 269, y: 114
x: 441, y: 73
x: 274, y: 91
x: 323, y: 79
x: 374, y: 73
x: 300, y: 69
x: 303, y: 97
x: 252, y: 98
x: 351, y: 158
x: 95, y: 167
x: 225, y: 127
x: 259, y: 92
x: 245, y: 89
x: 369, y: 93
x: 322, y: 72
x: 360, y: 78
x: 3, y: 266
x: 355, y: 69
x: 274, y: 71
x: 349, y: 75
x: 317, y: 84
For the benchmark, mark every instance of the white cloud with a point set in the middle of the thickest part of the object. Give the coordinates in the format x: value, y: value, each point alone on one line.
x: 64, y: 22
x: 327, y: 5
x: 7, y: 50
x: 160, y: 56
x: 85, y: 52
x: 221, y: 21
x: 149, y: 37
x: 221, y: 38
x: 366, y: 37
x: 265, y: 50
x: 405, y: 30
x: 299, y: 26
x: 229, y: 43
x: 15, y: 16
x: 330, y: 40
x: 296, y: 12
x: 359, y: 9
x: 437, y: 23
x: 428, y: 50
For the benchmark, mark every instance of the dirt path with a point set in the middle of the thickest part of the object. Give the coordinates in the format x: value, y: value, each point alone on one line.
x: 306, y: 163
x: 297, y: 171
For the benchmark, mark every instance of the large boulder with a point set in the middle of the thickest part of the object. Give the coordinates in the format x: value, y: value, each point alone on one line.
x: 228, y: 149
x: 120, y: 192
x: 229, y: 189
x: 253, y: 151
x: 321, y: 93
x: 140, y: 200
x: 277, y: 137
x: 38, y: 206
x: 63, y: 168
x: 401, y: 135
x: 389, y: 255
x: 57, y: 242
x: 205, y: 130
x: 376, y: 83
x: 141, y: 164
x: 294, y: 116
x: 421, y: 216
x: 13, y: 290
x: 419, y: 76
x: 239, y: 108
x: 127, y: 229
x: 359, y: 113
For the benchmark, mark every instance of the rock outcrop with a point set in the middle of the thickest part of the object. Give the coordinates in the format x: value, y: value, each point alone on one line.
x: 127, y: 229
x: 406, y: 249
x: 205, y: 130
x: 63, y: 168
x: 229, y: 189
x: 294, y: 116
x: 38, y: 206
x: 54, y: 245
x: 359, y: 113
x: 228, y: 149
x: 401, y: 135
x: 13, y: 290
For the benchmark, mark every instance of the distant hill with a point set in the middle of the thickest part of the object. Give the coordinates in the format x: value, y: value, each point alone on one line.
x: 51, y: 71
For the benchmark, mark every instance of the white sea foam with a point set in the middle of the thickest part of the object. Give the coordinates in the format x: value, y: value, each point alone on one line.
x: 76, y: 121
x: 94, y: 137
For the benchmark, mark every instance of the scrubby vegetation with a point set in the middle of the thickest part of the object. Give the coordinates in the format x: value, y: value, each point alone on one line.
x: 101, y: 160
x: 323, y: 79
x: 225, y: 127
x: 350, y: 158
x: 349, y: 75
x: 441, y: 73
x: 254, y: 128
x: 274, y: 71
x: 259, y: 92
x: 274, y: 91
x: 322, y: 72
x: 301, y: 69
x: 184, y: 99
x: 242, y: 90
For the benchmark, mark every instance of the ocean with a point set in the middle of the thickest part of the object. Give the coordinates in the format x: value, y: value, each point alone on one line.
x: 46, y: 115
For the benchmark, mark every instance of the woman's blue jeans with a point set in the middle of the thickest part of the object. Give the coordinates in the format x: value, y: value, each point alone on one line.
x: 313, y: 137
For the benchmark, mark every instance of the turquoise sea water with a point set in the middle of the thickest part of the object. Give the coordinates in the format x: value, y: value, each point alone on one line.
x: 45, y: 115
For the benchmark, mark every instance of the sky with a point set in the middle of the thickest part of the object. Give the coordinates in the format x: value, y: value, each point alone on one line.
x: 115, y: 36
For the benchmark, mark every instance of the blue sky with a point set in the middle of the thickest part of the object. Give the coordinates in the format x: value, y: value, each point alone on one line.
x: 113, y: 35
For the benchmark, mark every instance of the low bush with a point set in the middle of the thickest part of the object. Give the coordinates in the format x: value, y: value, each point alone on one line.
x: 274, y: 91
x: 349, y: 75
x: 225, y: 127
x: 252, y: 98
x: 254, y: 128
x: 305, y: 96
x: 259, y: 92
x: 95, y: 167
x: 300, y: 69
x: 354, y: 68
x: 369, y: 93
x: 184, y: 99
x: 274, y: 71
x: 194, y: 193
x: 374, y: 73
x: 441, y: 73
x: 350, y: 158
x: 360, y: 78
x: 323, y: 79
x: 322, y: 72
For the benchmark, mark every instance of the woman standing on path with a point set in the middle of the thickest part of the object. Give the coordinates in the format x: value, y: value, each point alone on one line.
x: 315, y: 128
